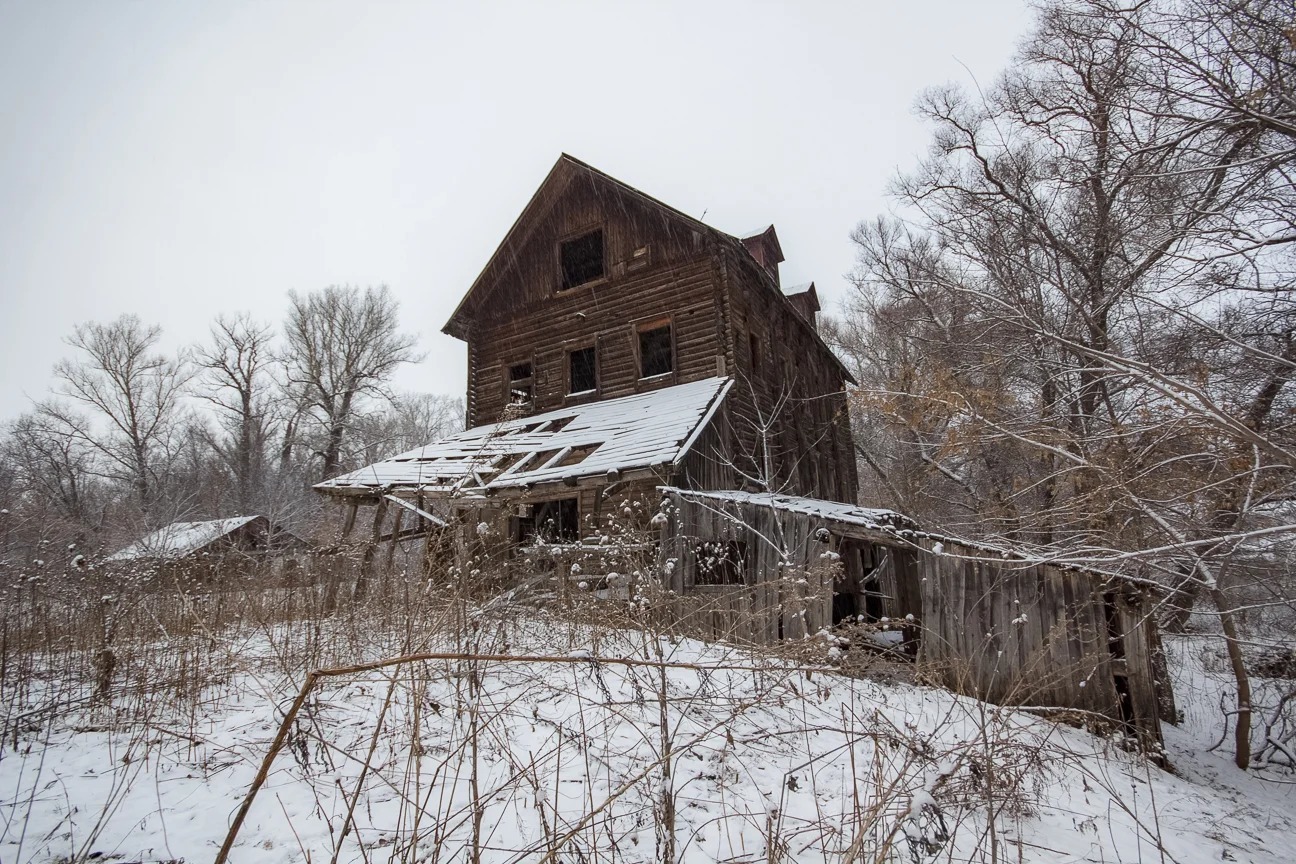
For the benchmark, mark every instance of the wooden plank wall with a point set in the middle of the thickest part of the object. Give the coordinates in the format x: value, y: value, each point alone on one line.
x: 790, y: 571
x: 709, y: 464
x: 527, y: 319
x: 1005, y: 633
x: 811, y: 439
x: 1037, y: 635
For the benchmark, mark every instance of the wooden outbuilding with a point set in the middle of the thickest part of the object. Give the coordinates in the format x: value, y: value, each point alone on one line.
x: 981, y: 622
x: 213, y: 548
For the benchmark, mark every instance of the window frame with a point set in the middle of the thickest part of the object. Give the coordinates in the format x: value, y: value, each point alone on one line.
x: 589, y: 391
x: 649, y: 325
x: 562, y: 286
x: 539, y: 512
x: 509, y: 380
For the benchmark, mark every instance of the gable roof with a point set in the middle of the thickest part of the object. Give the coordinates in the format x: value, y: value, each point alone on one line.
x: 560, y: 176
x: 180, y: 539
x: 556, y: 182
x: 642, y: 431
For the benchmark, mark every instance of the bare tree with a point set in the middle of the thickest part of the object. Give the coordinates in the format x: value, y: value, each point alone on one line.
x: 1076, y: 330
x: 51, y: 460
x: 342, y: 346
x: 412, y: 420
x: 236, y: 381
x: 134, y: 392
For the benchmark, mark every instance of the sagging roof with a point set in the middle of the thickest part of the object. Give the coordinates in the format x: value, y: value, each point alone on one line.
x: 180, y: 539
x: 616, y: 435
x: 896, y: 525
x: 864, y: 517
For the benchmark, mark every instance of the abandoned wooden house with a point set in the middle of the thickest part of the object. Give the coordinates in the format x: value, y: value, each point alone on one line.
x: 616, y: 344
x: 200, y: 549
x: 619, y: 349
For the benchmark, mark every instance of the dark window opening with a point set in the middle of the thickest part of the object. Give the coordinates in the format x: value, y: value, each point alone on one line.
x: 656, y: 356
x: 874, y: 600
x: 720, y: 563
x: 541, y: 458
x: 581, y: 259
x: 845, y: 607
x: 754, y: 347
x: 551, y: 521
x: 583, y: 374
x: 521, y: 389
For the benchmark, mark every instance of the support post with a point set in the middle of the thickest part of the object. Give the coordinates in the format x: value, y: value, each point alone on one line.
x: 370, y: 551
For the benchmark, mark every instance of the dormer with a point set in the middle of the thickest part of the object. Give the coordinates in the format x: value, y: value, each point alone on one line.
x: 763, y: 245
x: 805, y: 300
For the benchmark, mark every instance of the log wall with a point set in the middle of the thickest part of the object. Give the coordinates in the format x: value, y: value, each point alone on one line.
x: 527, y: 317
x: 727, y: 314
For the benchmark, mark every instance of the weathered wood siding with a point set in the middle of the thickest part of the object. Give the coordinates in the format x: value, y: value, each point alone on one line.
x: 1038, y: 635
x: 777, y: 357
x: 1004, y: 632
x: 788, y: 571
x: 527, y: 318
x: 709, y: 464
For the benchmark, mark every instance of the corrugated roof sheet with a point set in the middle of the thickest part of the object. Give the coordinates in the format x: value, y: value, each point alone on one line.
x: 638, y: 431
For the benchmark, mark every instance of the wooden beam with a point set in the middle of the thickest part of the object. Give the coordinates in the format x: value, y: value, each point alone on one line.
x: 431, y: 517
x: 391, y: 540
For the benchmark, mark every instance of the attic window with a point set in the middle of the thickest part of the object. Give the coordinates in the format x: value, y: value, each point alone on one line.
x: 581, y: 259
x: 582, y: 371
x: 656, y: 349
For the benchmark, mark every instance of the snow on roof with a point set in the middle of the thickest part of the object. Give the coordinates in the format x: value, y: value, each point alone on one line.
x: 639, y: 431
x: 797, y: 289
x: 756, y: 232
x: 865, y: 517
x: 180, y: 539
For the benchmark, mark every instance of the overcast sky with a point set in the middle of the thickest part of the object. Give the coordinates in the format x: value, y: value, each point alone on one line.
x: 180, y: 159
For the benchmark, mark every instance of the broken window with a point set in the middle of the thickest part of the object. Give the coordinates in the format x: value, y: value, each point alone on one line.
x: 656, y: 349
x: 521, y: 386
x: 720, y: 562
x: 581, y: 259
x: 582, y: 370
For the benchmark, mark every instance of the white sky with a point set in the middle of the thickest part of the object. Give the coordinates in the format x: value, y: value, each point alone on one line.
x: 180, y: 159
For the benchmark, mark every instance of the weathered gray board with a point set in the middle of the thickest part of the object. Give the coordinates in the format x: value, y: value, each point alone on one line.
x: 1000, y: 630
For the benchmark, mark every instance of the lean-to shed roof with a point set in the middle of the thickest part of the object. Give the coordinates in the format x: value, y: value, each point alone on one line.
x: 849, y: 514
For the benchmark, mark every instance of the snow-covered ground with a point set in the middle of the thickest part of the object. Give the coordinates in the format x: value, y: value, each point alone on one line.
x: 735, y: 758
